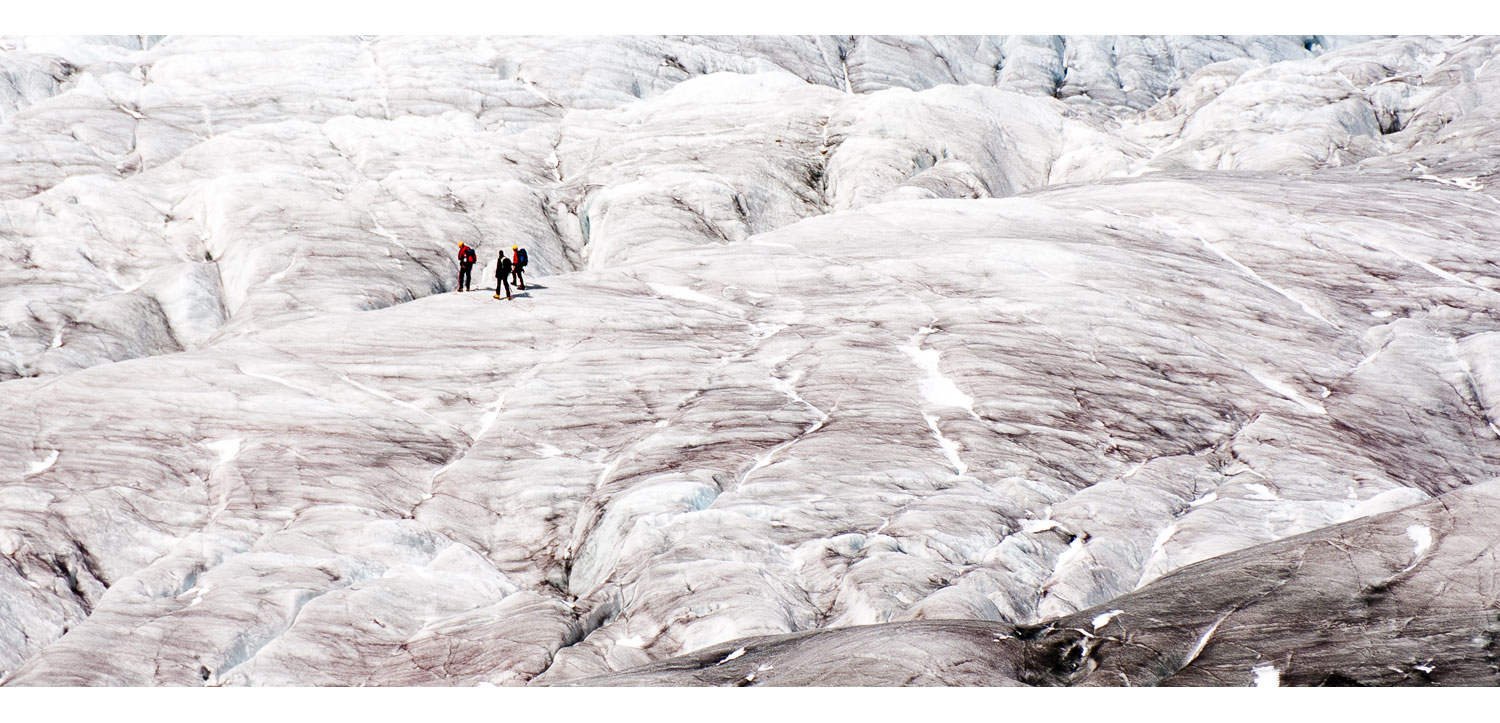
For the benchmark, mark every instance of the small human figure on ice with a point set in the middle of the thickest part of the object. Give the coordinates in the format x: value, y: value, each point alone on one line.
x: 518, y: 262
x: 465, y: 267
x: 502, y: 276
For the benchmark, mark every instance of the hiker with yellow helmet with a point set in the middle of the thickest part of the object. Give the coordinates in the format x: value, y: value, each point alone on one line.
x: 465, y: 267
x: 518, y: 262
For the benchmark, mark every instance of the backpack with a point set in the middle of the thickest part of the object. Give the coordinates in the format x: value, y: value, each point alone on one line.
x: 467, y: 257
x: 521, y: 257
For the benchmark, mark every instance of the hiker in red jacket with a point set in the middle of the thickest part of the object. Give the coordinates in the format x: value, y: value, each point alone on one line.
x: 517, y: 263
x: 465, y: 267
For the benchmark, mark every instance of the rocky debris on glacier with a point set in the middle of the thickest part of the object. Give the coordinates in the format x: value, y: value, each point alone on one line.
x: 1035, y: 360
x: 1361, y: 603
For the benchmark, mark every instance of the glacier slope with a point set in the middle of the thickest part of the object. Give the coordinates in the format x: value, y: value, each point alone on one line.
x: 767, y: 379
x: 157, y: 188
x: 767, y: 458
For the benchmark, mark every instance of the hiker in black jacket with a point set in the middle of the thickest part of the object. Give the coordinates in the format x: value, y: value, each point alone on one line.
x: 502, y: 276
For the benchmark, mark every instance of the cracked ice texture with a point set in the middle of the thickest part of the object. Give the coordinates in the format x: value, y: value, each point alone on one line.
x: 160, y: 193
x: 812, y: 342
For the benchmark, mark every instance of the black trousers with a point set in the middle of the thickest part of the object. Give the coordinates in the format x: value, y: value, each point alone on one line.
x: 465, y: 279
x: 500, y: 283
x: 515, y: 273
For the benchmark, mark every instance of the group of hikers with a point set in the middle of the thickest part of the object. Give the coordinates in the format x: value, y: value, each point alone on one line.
x: 508, y: 269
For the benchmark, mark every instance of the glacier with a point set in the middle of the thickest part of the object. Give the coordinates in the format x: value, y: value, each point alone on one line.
x: 846, y: 360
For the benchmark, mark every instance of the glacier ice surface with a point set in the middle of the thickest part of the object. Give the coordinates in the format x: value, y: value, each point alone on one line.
x: 966, y: 357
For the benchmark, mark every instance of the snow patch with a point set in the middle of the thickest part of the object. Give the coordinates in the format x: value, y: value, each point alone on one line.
x: 737, y: 653
x: 1425, y: 265
x: 936, y: 388
x: 765, y: 458
x: 1161, y: 539
x: 1422, y: 536
x: 1266, y: 676
x: 1075, y: 549
x: 1103, y: 619
x: 1158, y: 548
x: 1035, y: 526
x: 1203, y: 640
x: 1469, y: 184
x: 1287, y: 391
x: 1392, y: 499
x: 686, y: 294
x: 1246, y: 270
x: 43, y: 465
x: 227, y: 448
x: 950, y: 447
x: 1260, y: 492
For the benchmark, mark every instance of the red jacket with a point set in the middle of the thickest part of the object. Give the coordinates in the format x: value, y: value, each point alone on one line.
x: 465, y: 255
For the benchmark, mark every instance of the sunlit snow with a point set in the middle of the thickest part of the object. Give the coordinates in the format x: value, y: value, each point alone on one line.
x: 1045, y: 360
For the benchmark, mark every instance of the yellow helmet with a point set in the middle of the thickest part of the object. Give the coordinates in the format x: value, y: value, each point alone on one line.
x: 514, y: 247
